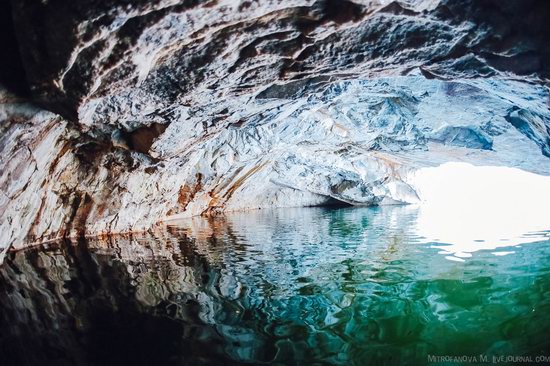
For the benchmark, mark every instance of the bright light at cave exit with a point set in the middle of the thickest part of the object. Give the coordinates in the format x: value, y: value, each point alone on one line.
x: 468, y: 208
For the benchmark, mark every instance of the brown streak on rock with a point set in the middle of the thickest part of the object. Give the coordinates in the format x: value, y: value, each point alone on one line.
x: 81, y: 216
x: 239, y: 182
x: 142, y: 138
x: 66, y: 146
x: 31, y: 235
x: 215, y: 206
x: 187, y: 193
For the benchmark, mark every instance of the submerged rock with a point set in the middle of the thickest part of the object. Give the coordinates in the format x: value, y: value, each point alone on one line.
x: 170, y: 109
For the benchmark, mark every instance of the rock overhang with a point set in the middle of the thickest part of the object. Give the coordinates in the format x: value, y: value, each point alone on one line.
x: 173, y: 109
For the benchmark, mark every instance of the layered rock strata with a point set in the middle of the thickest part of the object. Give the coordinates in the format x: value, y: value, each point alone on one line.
x: 141, y: 112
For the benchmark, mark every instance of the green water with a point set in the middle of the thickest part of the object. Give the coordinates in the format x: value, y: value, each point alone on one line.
x: 313, y: 286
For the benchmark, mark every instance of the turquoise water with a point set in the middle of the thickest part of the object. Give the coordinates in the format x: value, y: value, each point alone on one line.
x: 311, y: 286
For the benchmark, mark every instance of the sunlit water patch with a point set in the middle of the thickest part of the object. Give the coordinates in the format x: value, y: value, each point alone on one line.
x: 466, y: 208
x: 347, y: 286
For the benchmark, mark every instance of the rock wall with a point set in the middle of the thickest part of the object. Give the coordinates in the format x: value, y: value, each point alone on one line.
x: 167, y: 109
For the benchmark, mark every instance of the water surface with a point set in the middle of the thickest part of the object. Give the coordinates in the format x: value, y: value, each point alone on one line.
x: 347, y: 286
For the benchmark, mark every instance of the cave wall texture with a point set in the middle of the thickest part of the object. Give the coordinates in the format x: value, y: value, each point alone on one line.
x: 116, y: 115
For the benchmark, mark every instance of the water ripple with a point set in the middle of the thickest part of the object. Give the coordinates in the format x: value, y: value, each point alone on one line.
x: 306, y: 286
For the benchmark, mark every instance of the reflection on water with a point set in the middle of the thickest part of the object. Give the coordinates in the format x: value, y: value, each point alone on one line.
x: 471, y: 208
x: 292, y: 287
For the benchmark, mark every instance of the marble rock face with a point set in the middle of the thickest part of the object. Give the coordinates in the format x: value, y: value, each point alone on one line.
x: 145, y: 111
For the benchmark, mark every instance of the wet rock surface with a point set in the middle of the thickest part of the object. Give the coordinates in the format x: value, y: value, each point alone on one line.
x: 146, y: 111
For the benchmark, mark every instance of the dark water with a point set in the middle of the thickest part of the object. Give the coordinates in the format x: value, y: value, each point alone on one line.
x: 351, y: 286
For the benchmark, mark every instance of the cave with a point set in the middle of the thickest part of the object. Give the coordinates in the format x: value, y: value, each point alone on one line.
x: 274, y: 182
